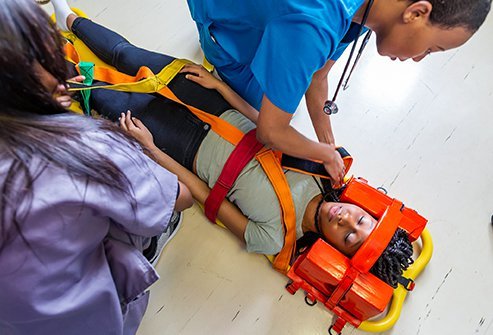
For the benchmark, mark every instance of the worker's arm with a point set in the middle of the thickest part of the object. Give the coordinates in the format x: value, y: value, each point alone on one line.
x: 201, y: 76
x: 184, y: 199
x: 315, y: 97
x: 228, y: 213
x: 274, y: 130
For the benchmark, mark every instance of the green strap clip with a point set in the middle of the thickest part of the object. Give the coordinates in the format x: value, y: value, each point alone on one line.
x: 87, y: 70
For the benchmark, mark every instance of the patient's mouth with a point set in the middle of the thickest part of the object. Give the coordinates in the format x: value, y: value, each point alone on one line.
x: 334, y: 211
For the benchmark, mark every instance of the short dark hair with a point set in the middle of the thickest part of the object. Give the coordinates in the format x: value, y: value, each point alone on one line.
x: 395, y: 259
x: 459, y: 13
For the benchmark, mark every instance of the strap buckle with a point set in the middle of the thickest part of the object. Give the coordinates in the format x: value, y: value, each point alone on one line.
x: 407, y: 283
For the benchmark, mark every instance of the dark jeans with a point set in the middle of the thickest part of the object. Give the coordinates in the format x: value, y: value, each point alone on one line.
x: 176, y: 130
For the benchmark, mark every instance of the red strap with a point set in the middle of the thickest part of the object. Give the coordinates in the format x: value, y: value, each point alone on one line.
x: 241, y: 155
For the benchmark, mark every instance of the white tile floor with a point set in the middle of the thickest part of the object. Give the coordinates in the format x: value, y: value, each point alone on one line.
x: 422, y: 131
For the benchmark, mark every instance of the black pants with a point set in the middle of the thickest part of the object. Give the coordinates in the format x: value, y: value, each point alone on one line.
x: 176, y: 130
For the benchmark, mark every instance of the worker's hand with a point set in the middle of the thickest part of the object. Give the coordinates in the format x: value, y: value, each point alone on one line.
x: 335, y: 168
x: 135, y: 128
x: 201, y: 76
x: 62, y: 96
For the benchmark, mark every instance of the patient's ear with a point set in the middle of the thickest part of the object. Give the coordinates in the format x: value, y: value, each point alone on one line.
x: 306, y: 241
x: 417, y: 12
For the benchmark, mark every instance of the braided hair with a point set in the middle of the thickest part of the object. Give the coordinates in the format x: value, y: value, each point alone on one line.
x: 395, y: 259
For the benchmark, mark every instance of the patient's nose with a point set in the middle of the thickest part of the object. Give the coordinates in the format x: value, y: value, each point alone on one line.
x: 345, y: 220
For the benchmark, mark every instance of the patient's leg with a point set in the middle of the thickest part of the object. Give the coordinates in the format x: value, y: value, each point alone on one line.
x: 115, y: 50
x: 175, y: 129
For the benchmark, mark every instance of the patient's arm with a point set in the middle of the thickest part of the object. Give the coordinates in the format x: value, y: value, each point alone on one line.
x: 228, y: 213
x: 204, y: 78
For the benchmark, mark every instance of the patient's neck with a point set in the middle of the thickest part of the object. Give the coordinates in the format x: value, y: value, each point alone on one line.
x: 308, y: 223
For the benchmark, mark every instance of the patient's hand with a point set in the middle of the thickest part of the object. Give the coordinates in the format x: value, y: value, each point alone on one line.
x: 61, y: 94
x: 201, y: 76
x: 135, y: 128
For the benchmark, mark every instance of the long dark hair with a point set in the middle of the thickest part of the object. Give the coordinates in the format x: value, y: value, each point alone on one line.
x: 459, y: 13
x: 33, y: 126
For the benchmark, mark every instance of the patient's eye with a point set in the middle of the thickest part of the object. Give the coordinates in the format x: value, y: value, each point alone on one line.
x: 349, y: 238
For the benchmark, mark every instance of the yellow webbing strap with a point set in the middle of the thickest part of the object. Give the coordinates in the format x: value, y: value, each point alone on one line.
x: 145, y: 81
x: 273, y: 170
x: 208, y: 66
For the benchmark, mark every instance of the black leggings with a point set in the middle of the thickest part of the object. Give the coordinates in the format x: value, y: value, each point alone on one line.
x: 176, y: 130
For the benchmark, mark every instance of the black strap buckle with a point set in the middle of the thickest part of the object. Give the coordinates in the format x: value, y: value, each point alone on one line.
x: 408, y: 283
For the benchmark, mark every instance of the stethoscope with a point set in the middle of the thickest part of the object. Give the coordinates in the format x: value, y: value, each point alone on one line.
x: 330, y: 106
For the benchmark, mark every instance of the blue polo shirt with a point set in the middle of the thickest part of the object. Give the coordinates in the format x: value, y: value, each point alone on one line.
x: 272, y: 47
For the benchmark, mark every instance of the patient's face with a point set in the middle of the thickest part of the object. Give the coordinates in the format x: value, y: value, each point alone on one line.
x: 345, y: 226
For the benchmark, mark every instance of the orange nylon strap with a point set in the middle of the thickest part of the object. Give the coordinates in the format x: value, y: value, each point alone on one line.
x: 223, y: 128
x: 274, y: 172
x: 71, y: 53
x: 343, y: 287
x: 114, y: 77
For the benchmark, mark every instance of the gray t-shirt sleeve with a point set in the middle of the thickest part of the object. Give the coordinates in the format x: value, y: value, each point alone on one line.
x: 264, y: 237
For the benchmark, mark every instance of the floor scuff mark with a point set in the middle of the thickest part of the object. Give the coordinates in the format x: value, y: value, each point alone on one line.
x: 235, y: 316
x: 159, y: 310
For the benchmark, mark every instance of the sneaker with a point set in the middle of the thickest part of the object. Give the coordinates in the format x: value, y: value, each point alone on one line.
x: 155, y: 249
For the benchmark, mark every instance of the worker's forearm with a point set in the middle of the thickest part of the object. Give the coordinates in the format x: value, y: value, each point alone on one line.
x: 237, y: 102
x: 288, y: 140
x: 315, y: 98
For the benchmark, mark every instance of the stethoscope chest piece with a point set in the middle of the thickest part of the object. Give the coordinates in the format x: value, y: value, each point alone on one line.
x: 330, y: 107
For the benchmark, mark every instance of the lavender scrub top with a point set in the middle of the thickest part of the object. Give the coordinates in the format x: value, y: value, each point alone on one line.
x: 84, y: 272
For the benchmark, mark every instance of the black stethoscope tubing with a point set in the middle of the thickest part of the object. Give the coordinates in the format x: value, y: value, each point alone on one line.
x: 330, y: 106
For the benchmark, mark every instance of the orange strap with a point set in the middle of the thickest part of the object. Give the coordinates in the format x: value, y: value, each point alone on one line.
x: 114, y: 77
x: 71, y: 53
x: 270, y: 163
x: 221, y: 127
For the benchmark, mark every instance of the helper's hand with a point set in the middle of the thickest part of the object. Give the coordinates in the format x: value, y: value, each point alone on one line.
x: 135, y: 128
x: 201, y: 76
x: 335, y: 168
x: 61, y: 94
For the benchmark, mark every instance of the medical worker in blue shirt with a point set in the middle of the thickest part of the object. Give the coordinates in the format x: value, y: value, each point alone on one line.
x: 274, y: 52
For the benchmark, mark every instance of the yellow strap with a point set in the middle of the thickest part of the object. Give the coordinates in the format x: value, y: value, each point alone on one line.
x: 208, y: 66
x: 274, y: 172
x: 145, y: 81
